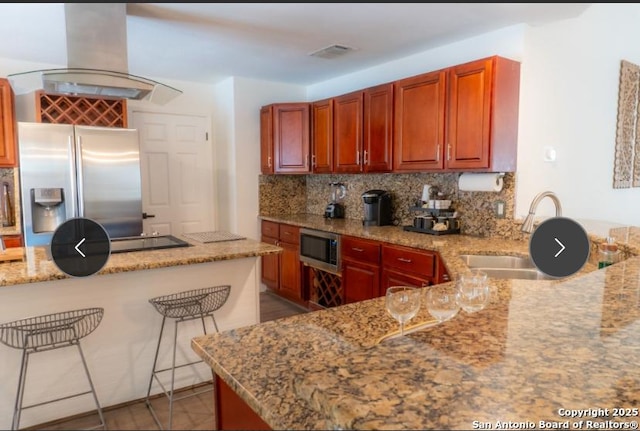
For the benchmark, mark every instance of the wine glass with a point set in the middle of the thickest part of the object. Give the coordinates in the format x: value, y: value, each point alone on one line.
x: 474, y: 290
x: 443, y: 301
x: 403, y: 303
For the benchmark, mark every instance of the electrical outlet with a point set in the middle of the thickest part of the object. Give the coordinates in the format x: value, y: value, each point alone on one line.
x: 499, y: 209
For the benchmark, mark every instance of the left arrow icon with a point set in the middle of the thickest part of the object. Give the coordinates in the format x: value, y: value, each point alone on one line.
x: 78, y: 245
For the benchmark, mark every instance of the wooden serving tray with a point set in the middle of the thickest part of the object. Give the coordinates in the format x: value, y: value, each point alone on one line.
x: 12, y: 254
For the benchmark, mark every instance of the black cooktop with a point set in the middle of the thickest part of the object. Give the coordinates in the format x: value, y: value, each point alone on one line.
x: 119, y: 245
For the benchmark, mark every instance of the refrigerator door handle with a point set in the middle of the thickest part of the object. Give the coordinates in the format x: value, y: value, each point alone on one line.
x: 72, y: 180
x: 79, y: 176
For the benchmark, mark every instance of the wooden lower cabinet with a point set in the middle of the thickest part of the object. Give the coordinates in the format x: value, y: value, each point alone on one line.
x: 370, y: 267
x: 282, y: 273
x: 394, y: 278
x: 231, y: 412
x: 270, y: 266
x: 290, y: 272
x: 360, y: 280
x: 360, y: 268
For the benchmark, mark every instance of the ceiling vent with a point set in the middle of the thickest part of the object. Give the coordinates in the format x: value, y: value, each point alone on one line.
x: 97, y: 60
x: 332, y: 51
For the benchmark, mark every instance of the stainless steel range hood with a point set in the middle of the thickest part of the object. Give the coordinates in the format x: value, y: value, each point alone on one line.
x: 97, y: 61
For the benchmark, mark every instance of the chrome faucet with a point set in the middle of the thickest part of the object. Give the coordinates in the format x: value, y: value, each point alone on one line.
x: 527, y: 225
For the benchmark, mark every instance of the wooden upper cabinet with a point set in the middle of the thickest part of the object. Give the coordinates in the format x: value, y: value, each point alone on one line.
x: 354, y: 132
x: 482, y: 127
x: 322, y: 136
x: 461, y: 118
x: 8, y: 146
x: 291, y: 137
x: 419, y: 122
x: 347, y: 132
x: 266, y: 139
x: 378, y: 128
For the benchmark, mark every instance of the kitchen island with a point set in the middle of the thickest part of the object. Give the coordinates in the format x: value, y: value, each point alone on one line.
x: 541, y: 350
x: 120, y: 351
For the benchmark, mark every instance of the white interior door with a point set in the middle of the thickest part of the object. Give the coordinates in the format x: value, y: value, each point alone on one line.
x: 176, y: 166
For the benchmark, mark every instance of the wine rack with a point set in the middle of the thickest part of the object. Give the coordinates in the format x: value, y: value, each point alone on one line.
x: 326, y: 289
x: 85, y: 111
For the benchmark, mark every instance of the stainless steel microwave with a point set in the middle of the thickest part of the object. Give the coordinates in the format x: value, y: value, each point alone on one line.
x: 320, y: 249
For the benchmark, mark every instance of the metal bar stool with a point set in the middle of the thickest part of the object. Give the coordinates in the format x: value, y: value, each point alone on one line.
x: 183, y: 306
x: 49, y: 332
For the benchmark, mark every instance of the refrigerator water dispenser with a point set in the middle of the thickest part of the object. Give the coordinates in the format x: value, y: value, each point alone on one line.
x: 47, y: 209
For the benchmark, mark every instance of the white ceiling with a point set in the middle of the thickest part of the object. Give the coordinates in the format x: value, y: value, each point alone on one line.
x: 205, y: 42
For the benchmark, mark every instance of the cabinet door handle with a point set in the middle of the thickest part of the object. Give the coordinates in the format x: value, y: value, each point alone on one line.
x: 269, y: 161
x: 359, y: 250
x: 404, y: 259
x: 438, y: 153
x: 448, y: 151
x: 357, y: 157
x: 366, y: 157
x: 313, y: 160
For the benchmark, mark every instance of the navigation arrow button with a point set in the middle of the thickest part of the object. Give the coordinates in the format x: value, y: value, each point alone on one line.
x: 80, y: 243
x: 561, y: 245
x: 80, y: 247
x: 550, y: 255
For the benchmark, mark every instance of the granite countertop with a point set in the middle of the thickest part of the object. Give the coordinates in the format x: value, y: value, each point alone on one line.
x: 538, y: 347
x: 37, y: 266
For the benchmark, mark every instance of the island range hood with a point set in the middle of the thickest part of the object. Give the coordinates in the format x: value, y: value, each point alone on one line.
x: 97, y: 62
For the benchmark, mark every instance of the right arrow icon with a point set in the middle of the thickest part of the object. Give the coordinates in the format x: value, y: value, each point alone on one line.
x: 561, y: 245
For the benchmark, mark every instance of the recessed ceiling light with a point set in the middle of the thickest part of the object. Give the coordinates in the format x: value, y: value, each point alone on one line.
x: 332, y: 51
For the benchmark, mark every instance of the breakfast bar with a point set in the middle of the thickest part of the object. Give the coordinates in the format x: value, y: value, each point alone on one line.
x: 547, y: 354
x: 120, y: 352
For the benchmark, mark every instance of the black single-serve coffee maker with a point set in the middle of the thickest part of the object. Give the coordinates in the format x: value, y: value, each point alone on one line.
x: 377, y: 208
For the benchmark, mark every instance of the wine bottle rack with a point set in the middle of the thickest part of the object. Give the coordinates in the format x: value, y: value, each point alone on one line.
x: 85, y: 111
x: 326, y: 290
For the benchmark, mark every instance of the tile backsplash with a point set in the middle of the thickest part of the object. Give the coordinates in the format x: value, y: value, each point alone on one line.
x: 292, y: 194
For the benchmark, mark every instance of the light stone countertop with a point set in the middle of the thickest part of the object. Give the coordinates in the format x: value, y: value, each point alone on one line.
x: 37, y: 266
x: 538, y: 347
x: 450, y: 247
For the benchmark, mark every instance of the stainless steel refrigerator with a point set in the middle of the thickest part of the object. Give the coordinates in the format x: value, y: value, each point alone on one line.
x: 71, y: 171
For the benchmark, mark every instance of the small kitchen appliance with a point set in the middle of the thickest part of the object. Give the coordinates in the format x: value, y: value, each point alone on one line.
x: 335, y: 209
x: 377, y: 208
x: 320, y: 249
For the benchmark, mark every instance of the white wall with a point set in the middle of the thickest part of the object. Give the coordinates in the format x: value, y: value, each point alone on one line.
x: 569, y: 99
x: 238, y: 136
x: 507, y: 42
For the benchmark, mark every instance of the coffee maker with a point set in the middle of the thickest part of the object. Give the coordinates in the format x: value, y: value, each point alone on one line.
x: 377, y: 208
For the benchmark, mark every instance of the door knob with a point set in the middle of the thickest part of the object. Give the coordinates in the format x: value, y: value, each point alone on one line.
x: 145, y: 215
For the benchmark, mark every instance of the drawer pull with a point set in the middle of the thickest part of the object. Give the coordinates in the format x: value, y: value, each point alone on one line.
x: 359, y: 250
x: 286, y: 233
x: 405, y: 260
